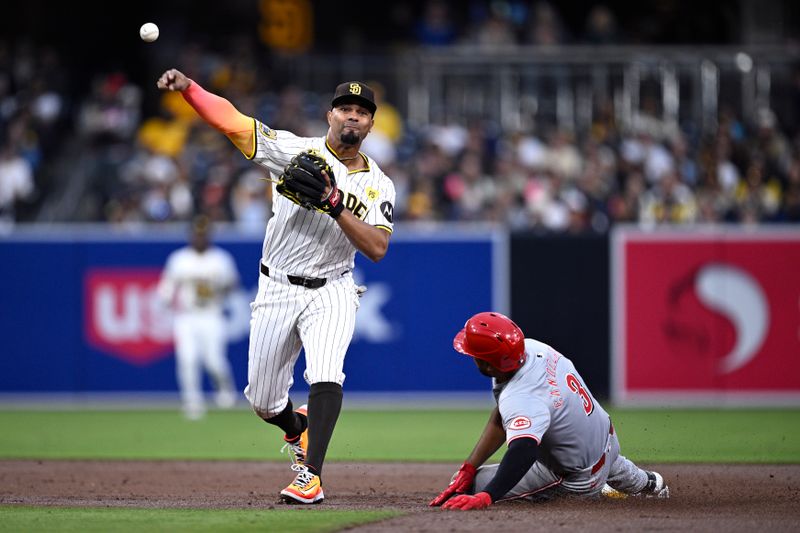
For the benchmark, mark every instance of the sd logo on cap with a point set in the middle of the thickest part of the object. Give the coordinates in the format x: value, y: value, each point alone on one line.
x: 354, y: 92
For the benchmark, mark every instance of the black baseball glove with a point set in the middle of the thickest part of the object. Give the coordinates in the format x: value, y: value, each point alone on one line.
x: 304, y: 182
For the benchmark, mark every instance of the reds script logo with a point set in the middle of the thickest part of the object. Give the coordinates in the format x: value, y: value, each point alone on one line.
x: 520, y: 422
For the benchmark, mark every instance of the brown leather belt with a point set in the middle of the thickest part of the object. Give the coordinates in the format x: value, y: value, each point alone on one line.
x: 309, y: 283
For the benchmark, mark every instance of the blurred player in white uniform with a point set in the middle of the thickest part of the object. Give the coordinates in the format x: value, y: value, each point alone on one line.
x: 561, y: 442
x: 306, y: 294
x: 194, y: 284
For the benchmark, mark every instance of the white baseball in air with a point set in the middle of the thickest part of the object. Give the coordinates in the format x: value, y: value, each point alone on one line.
x: 148, y: 32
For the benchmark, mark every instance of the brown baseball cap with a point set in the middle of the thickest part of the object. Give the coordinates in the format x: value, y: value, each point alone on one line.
x: 357, y: 92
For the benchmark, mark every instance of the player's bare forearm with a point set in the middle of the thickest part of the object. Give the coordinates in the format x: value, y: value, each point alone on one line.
x: 371, y: 241
x: 491, y: 439
x: 215, y: 110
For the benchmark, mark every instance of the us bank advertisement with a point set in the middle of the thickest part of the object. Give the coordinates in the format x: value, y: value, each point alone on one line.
x: 81, y: 311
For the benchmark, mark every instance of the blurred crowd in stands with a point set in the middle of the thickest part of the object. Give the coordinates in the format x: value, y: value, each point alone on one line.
x: 526, y: 22
x: 32, y: 120
x: 130, y: 169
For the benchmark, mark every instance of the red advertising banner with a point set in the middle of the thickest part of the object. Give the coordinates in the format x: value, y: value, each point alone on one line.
x: 706, y: 317
x: 123, y: 315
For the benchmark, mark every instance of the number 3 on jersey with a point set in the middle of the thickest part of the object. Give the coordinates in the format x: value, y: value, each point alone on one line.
x: 576, y: 387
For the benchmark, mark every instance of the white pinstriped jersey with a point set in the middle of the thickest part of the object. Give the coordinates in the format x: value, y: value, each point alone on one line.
x: 308, y: 243
x: 548, y: 400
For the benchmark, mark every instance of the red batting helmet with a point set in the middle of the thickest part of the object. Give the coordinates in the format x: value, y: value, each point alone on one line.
x: 493, y: 338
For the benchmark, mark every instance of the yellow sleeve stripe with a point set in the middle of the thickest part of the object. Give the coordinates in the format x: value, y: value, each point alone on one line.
x: 386, y: 228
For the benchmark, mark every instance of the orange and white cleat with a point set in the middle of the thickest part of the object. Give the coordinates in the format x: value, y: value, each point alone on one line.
x: 306, y: 487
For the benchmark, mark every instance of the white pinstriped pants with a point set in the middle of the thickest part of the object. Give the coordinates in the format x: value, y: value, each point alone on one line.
x: 285, y: 318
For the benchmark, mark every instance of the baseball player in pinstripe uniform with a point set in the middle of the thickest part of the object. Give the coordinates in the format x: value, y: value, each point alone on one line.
x: 306, y: 294
x: 560, y: 440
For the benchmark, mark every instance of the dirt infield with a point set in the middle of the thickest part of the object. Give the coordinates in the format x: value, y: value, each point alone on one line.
x: 704, y: 497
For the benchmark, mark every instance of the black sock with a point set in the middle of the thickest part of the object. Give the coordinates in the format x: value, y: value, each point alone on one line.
x: 324, y: 405
x: 293, y: 424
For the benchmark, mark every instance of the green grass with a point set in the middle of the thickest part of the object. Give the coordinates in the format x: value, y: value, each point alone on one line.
x: 691, y: 435
x: 647, y: 436
x: 710, y: 436
x: 58, y: 519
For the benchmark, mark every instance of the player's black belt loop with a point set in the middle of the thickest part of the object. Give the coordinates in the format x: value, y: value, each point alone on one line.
x: 308, y: 283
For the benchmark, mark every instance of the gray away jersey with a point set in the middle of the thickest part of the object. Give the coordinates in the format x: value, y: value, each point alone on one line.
x: 308, y: 243
x: 548, y: 400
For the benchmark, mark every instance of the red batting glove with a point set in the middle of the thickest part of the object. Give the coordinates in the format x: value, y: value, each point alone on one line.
x: 461, y: 483
x: 465, y: 502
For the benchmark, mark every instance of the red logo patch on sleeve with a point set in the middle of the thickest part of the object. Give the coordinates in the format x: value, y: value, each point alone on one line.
x: 520, y: 422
